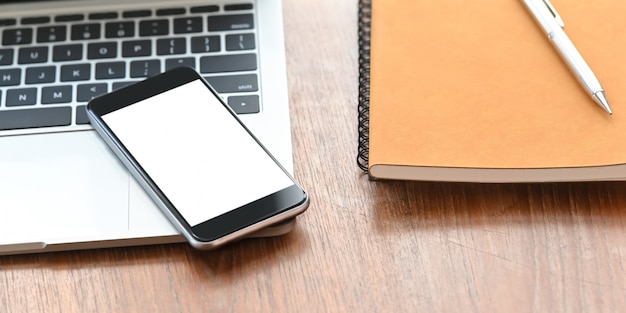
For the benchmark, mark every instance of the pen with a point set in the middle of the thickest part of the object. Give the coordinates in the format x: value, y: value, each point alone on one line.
x: 547, y: 17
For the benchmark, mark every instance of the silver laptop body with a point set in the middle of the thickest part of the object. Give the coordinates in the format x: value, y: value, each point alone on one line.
x: 60, y: 186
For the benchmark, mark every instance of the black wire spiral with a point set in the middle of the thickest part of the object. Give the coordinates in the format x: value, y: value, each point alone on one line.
x: 365, y: 23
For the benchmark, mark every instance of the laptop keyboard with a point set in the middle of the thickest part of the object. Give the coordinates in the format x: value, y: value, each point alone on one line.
x: 51, y: 66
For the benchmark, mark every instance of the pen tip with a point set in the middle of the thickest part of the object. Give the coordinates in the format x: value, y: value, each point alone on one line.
x: 600, y: 98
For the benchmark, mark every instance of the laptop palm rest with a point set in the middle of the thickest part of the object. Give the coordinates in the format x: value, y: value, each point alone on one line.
x: 89, y: 199
x: 95, y: 204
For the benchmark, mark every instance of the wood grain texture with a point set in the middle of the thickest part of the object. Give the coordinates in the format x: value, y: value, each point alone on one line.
x: 362, y: 246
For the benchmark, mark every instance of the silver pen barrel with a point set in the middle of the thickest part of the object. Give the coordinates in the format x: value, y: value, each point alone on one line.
x: 549, y: 20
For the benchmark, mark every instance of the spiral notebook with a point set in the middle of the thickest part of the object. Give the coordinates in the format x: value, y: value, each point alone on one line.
x: 474, y: 92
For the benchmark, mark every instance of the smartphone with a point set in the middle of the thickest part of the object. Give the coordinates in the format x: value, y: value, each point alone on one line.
x: 197, y: 161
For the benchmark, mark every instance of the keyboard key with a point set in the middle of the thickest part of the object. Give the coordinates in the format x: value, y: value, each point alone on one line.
x: 137, y: 13
x: 22, y: 96
x: 69, y: 18
x: 7, y: 22
x: 180, y: 62
x: 87, y: 92
x: 56, y: 94
x: 10, y: 77
x: 240, y: 42
x: 75, y: 72
x: 19, y: 36
x: 172, y: 11
x: 154, y: 28
x: 32, y: 118
x: 81, y: 115
x: 85, y: 31
x: 51, y: 33
x: 137, y: 48
x: 67, y: 52
x: 205, y: 44
x: 145, y: 68
x: 230, y: 22
x: 120, y: 29
x: 234, y: 83
x: 110, y: 70
x: 35, y: 20
x: 238, y: 7
x: 6, y: 56
x: 32, y: 55
x: 103, y: 16
x: 171, y: 46
x: 187, y: 25
x: 40, y: 75
x: 244, y: 104
x: 205, y: 9
x: 102, y: 50
x: 228, y: 63
x: 119, y: 85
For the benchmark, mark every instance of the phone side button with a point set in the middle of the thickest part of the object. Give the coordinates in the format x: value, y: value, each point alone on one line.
x: 22, y: 246
x: 244, y: 104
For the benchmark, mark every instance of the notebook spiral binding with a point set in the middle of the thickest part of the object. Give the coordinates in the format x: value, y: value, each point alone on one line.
x: 365, y: 22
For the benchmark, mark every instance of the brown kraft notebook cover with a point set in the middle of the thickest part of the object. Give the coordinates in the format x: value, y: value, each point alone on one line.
x: 474, y: 91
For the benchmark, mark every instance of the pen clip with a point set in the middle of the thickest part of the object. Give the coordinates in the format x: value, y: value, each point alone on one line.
x: 556, y: 15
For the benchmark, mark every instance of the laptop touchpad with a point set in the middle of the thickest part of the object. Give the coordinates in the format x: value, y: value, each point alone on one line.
x: 57, y: 186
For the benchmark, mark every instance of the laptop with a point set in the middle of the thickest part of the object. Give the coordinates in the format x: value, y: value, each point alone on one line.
x: 60, y: 186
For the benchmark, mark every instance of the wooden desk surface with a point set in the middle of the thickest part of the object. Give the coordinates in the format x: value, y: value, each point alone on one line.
x: 362, y: 246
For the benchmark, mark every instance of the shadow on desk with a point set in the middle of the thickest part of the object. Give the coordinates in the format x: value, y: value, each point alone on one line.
x: 243, y: 257
x: 444, y: 206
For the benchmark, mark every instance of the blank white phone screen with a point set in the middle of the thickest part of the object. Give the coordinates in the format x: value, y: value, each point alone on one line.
x: 200, y: 157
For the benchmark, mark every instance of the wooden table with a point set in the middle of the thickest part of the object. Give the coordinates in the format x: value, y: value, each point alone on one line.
x: 362, y: 246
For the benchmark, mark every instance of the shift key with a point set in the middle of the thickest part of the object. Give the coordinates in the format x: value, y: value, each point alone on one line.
x: 230, y: 22
x: 234, y: 83
x: 34, y: 118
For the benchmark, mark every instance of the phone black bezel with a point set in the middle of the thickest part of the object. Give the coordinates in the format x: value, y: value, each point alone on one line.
x: 222, y: 225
